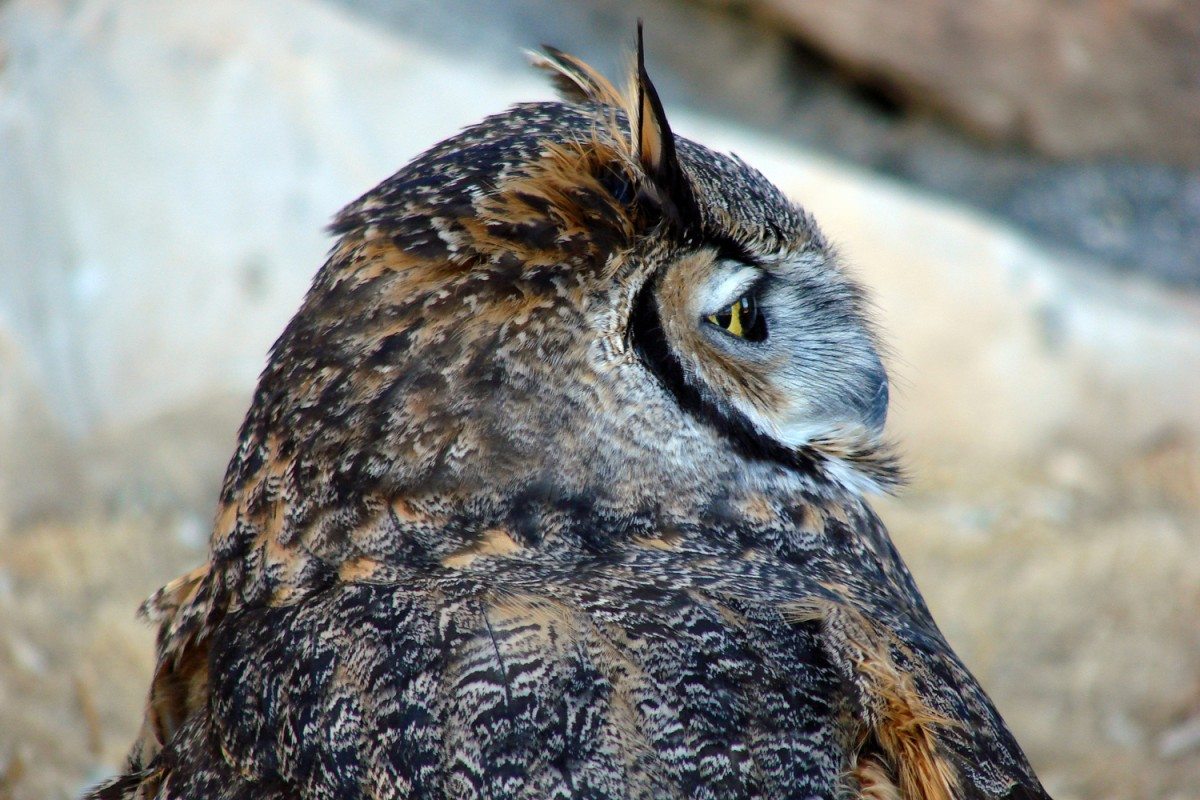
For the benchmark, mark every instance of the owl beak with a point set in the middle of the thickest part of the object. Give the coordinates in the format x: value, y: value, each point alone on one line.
x: 862, y: 413
x: 850, y: 411
x: 875, y: 409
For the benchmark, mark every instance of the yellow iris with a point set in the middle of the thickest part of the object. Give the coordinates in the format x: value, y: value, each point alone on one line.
x: 737, y: 318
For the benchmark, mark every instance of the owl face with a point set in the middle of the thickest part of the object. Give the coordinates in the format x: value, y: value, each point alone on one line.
x: 770, y: 346
x: 742, y: 315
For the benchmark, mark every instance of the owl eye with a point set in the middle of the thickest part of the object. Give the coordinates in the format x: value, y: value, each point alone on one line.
x: 741, y: 319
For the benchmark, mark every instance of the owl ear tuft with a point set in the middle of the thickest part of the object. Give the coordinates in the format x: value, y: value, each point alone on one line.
x: 573, y: 79
x: 654, y: 145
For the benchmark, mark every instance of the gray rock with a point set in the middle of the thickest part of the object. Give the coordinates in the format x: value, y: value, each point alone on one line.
x: 1070, y: 78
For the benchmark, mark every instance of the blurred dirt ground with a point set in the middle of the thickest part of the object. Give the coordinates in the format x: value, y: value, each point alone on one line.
x: 1072, y: 591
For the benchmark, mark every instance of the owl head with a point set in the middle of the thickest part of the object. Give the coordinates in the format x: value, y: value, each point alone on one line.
x: 564, y: 307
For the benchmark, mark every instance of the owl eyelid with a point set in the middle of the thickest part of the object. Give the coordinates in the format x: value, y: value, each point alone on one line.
x: 739, y: 282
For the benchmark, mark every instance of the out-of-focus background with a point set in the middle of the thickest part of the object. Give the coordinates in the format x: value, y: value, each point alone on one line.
x: 1018, y: 181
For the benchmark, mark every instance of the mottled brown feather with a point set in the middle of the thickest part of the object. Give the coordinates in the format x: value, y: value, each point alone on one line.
x: 504, y: 519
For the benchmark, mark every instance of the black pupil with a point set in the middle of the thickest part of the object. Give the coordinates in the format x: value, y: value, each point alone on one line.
x: 748, y: 325
x: 749, y: 315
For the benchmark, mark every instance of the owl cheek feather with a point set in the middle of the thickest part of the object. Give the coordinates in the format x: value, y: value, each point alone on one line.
x: 848, y: 409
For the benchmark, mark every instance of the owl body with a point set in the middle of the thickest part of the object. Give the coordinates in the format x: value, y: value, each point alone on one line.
x: 553, y: 488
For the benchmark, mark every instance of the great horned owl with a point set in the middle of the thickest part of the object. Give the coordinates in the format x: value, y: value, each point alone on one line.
x: 553, y: 488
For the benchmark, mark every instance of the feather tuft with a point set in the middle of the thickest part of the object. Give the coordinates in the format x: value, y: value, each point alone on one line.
x: 573, y: 79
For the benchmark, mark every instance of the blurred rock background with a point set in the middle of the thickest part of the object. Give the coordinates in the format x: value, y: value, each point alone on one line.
x: 1018, y: 182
